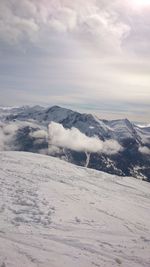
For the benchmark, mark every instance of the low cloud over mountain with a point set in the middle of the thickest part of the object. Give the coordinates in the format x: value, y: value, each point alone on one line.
x: 75, y: 140
x: 118, y: 146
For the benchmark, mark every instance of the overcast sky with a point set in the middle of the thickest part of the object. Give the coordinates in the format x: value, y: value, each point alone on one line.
x: 90, y: 55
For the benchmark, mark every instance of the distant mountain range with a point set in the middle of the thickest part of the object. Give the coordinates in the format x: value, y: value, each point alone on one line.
x: 32, y: 122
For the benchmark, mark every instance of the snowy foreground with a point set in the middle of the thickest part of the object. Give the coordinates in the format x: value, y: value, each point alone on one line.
x: 54, y: 214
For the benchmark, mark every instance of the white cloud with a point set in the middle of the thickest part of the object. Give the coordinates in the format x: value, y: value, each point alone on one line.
x: 28, y: 19
x: 39, y: 134
x: 14, y: 26
x: 63, y: 18
x: 7, y: 136
x: 77, y: 141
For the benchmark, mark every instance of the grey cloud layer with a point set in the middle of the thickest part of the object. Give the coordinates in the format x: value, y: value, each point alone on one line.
x: 114, y: 24
x: 76, y: 52
x: 29, y: 19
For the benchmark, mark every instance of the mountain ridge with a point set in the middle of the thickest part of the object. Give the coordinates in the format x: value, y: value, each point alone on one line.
x: 134, y: 160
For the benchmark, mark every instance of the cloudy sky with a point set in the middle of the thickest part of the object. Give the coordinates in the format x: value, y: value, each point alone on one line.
x: 90, y: 55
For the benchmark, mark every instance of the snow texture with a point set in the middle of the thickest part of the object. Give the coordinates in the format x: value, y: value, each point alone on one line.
x: 55, y: 214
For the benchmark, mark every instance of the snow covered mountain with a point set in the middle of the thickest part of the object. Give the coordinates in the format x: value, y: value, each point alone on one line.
x: 133, y: 160
x: 53, y: 214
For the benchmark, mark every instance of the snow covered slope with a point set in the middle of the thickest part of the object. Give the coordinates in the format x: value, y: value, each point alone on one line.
x: 55, y: 214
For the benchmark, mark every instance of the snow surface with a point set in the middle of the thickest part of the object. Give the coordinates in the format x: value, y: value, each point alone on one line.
x: 55, y: 214
x: 144, y: 134
x: 143, y: 126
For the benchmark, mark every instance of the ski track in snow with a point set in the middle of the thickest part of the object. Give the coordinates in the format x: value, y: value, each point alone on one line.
x: 55, y: 214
